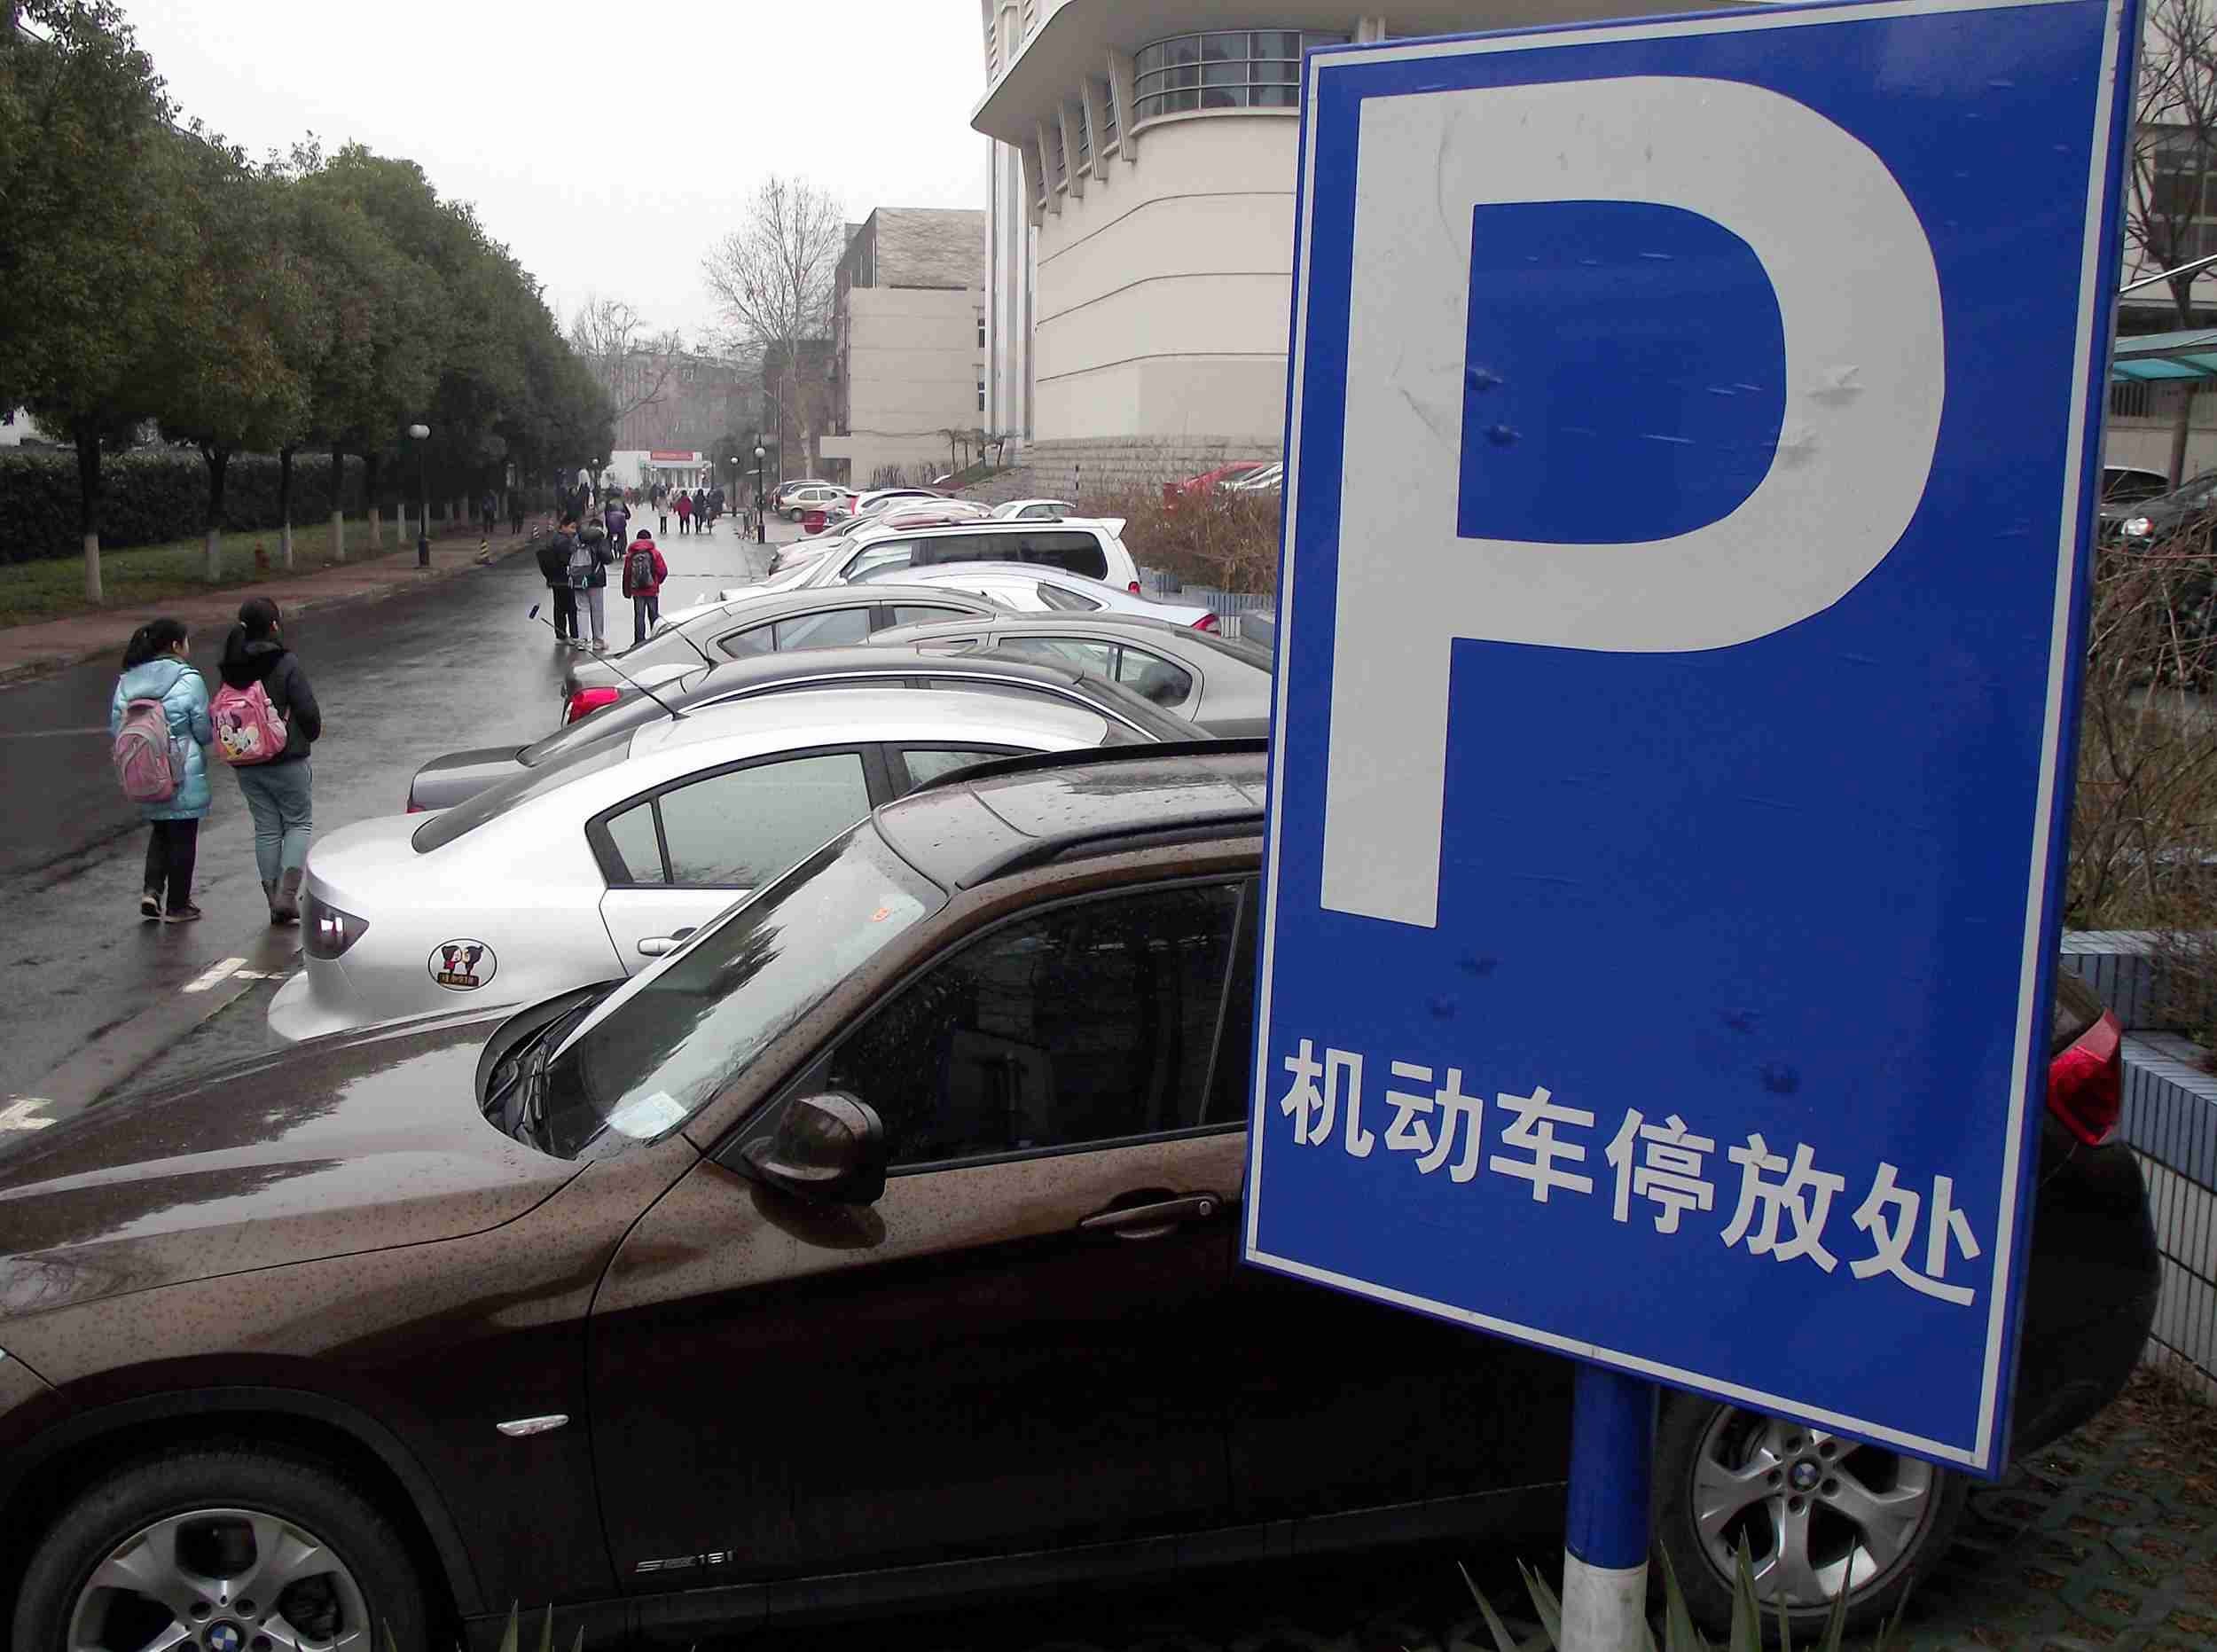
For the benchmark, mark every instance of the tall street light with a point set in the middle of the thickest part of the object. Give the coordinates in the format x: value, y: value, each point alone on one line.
x: 422, y: 434
x: 762, y: 504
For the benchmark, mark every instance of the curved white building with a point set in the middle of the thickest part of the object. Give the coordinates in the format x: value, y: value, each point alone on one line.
x: 1140, y: 239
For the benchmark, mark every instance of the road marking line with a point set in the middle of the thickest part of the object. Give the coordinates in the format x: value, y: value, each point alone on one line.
x: 17, y: 1114
x: 213, y: 973
x: 260, y: 974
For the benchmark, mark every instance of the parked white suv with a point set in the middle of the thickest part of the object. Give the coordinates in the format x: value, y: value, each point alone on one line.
x: 1078, y: 546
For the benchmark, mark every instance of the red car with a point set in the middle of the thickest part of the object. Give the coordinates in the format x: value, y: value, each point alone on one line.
x: 1209, y: 481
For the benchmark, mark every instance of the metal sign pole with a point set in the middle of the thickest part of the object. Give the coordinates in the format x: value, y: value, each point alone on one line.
x: 1605, y: 1537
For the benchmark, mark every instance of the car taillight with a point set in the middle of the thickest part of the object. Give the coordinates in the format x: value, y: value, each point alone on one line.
x: 414, y: 808
x: 586, y: 700
x: 1135, y: 588
x: 325, y: 931
x: 1206, y: 622
x: 2086, y: 1082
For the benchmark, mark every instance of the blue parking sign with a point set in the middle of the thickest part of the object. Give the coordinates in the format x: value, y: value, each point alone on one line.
x: 1692, y: 438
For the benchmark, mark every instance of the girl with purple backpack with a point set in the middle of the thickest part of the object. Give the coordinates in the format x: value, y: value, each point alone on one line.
x: 266, y: 720
x: 161, y: 701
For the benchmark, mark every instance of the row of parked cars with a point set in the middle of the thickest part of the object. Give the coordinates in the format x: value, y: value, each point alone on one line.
x: 849, y: 1022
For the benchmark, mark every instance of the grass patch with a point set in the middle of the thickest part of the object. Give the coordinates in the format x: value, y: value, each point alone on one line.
x: 54, y: 589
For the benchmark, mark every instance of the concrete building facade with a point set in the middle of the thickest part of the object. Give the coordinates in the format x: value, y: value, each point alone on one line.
x: 908, y: 341
x: 1144, y: 162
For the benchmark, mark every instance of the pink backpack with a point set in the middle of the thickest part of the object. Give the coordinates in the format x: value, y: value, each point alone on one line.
x: 146, y: 762
x: 247, y: 727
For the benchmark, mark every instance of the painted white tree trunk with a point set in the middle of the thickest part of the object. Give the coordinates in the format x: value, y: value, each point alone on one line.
x: 215, y: 556
x: 377, y: 533
x: 92, y: 593
x: 285, y: 544
x: 337, y: 536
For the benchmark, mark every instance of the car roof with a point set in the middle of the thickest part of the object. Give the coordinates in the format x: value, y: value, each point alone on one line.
x: 986, y: 821
x: 771, y: 605
x: 939, y: 575
x: 802, y: 717
x: 1165, y: 633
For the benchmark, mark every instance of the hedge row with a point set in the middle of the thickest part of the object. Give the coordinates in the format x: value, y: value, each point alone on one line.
x: 154, y: 497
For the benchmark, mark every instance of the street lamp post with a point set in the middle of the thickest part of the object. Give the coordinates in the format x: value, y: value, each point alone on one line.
x: 422, y: 435
x: 762, y: 503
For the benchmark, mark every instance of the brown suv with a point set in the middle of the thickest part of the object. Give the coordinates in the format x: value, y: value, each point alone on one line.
x: 878, y: 1244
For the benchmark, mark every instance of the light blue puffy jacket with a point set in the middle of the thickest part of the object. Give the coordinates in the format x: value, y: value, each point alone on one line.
x: 183, y: 696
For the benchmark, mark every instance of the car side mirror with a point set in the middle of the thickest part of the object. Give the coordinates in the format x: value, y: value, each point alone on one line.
x: 829, y: 1148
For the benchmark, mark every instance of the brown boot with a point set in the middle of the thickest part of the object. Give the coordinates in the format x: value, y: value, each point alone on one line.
x: 285, y: 906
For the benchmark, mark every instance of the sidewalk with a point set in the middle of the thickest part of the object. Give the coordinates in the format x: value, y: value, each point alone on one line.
x: 29, y: 650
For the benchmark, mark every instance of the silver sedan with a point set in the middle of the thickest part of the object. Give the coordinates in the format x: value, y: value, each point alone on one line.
x: 585, y: 869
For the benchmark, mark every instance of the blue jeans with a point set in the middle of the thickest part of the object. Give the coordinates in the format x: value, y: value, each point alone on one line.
x: 278, y: 797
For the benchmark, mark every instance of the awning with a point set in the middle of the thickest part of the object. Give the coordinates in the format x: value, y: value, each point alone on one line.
x: 2154, y: 357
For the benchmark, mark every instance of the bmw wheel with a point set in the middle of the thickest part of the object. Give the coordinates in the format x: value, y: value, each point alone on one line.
x: 227, y: 1549
x: 1821, y: 1515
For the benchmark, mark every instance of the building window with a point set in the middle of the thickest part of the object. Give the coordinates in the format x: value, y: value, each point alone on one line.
x: 2182, y: 207
x: 1084, y: 138
x: 1249, y: 69
x: 1109, y: 116
x: 981, y: 328
x: 1057, y: 162
x: 981, y: 389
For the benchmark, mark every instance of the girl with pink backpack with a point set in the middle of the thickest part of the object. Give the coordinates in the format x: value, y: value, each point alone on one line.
x: 266, y: 719
x: 160, y: 731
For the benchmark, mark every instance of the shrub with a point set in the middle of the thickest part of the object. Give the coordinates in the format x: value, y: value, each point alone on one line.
x: 1227, y: 540
x: 151, y: 497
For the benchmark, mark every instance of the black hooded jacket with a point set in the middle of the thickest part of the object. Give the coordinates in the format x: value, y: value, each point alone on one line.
x: 274, y: 666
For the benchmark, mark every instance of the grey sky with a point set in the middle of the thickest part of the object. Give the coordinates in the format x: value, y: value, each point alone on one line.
x: 609, y: 147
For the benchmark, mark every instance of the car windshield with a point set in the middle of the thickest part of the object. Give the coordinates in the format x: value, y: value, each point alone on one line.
x: 661, y: 1048
x: 442, y: 828
x: 633, y: 711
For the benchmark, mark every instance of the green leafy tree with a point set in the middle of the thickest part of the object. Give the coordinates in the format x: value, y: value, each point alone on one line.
x: 90, y: 237
x: 244, y: 330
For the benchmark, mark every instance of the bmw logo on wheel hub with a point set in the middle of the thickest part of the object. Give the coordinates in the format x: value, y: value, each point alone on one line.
x: 224, y: 1636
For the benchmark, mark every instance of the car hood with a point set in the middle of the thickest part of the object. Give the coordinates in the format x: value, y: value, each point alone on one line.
x: 459, y: 775
x: 355, y: 1143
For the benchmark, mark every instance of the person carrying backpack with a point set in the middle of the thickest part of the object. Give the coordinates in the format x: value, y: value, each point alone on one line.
x: 160, y: 730
x: 684, y: 511
x: 554, y: 561
x: 589, y: 575
x: 616, y: 518
x: 266, y: 719
x: 644, y: 571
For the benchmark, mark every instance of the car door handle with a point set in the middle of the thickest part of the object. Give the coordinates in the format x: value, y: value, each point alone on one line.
x: 655, y: 945
x: 1152, y: 1221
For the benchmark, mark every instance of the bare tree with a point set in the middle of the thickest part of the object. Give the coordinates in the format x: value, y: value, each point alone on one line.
x: 2171, y: 216
x: 773, y: 277
x: 608, y: 334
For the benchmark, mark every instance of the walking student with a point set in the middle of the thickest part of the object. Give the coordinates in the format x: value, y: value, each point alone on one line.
x: 616, y: 518
x: 589, y: 574
x: 699, y: 510
x: 644, y: 571
x: 684, y: 511
x: 515, y: 511
x: 160, y: 730
x: 262, y: 681
x: 554, y: 560
x: 488, y: 512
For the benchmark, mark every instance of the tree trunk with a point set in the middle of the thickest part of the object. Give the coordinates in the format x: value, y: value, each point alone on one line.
x: 2182, y: 427
x: 369, y: 495
x: 89, y: 512
x: 218, y: 463
x: 338, y: 505
x: 285, y: 506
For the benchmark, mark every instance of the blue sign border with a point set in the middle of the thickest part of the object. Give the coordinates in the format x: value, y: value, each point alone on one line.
x: 2097, y: 281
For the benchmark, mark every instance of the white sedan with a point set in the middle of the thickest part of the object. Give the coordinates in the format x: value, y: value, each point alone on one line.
x: 596, y: 863
x: 1028, y: 588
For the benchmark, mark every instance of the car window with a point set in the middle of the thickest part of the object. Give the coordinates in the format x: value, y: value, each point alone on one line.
x: 740, y: 829
x: 825, y: 631
x: 1065, y: 601
x: 1153, y: 678
x: 923, y: 614
x: 889, y: 553
x: 757, y: 639
x: 1069, y: 550
x: 638, y: 850
x: 1093, y: 1021
x: 496, y: 800
x: 927, y: 763
x: 1097, y: 657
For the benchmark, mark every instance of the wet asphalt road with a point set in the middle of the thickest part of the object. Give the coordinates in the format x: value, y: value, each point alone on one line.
x: 456, y: 663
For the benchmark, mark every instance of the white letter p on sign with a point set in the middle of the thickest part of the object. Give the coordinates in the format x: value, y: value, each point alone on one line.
x: 1859, y: 304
